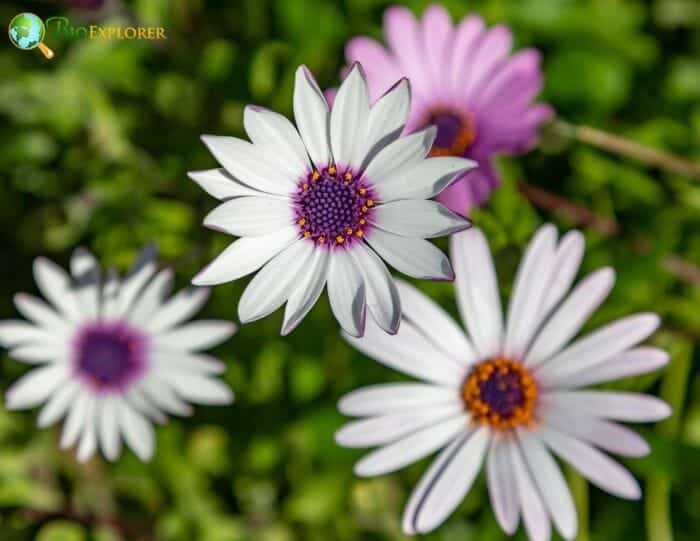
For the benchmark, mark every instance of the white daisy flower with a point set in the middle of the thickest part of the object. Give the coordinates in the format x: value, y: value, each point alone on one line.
x: 113, y: 354
x: 328, y: 203
x: 509, y: 393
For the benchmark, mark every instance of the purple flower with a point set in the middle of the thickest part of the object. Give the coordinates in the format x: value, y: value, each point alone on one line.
x: 465, y: 82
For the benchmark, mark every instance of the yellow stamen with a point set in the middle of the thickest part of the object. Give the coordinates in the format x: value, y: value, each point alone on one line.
x: 316, y: 175
x: 301, y: 221
x: 340, y: 239
x: 359, y: 233
x: 332, y: 170
x: 348, y: 231
x: 306, y: 185
x: 362, y: 221
x: 321, y: 239
x: 347, y: 176
x: 370, y: 203
x: 307, y: 234
x: 363, y: 191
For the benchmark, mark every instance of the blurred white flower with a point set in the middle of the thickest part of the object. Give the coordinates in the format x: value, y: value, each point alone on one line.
x: 113, y: 354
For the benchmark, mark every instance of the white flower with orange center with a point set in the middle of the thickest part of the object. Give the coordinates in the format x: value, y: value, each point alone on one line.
x: 113, y: 354
x: 507, y: 394
x: 326, y: 202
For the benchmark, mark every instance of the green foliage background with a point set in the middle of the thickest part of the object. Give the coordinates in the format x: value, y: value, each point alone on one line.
x: 95, y: 149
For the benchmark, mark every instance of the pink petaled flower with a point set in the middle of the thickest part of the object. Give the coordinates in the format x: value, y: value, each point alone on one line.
x: 466, y: 83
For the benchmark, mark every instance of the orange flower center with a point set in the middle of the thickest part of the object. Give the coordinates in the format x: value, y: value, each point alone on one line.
x: 456, y: 131
x: 500, y: 393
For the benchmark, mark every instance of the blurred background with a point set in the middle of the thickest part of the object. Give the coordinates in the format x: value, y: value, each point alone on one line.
x: 96, y: 144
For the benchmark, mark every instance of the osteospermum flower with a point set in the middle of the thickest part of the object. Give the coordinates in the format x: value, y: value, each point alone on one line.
x: 509, y: 393
x: 464, y: 82
x: 114, y: 354
x: 328, y: 203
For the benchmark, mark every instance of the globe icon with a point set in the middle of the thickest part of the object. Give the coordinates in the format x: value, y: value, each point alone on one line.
x: 27, y: 31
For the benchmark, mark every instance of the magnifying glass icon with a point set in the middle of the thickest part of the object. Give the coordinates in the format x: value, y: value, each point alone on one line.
x: 27, y: 31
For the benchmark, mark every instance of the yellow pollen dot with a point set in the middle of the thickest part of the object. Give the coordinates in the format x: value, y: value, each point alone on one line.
x: 321, y: 239
x: 370, y: 203
x: 363, y: 191
x: 307, y: 234
x: 347, y: 176
x: 332, y: 170
x: 340, y: 239
x: 316, y: 175
x: 302, y: 221
x: 362, y: 221
x: 306, y: 185
x: 359, y: 233
x: 348, y: 231
x: 364, y: 208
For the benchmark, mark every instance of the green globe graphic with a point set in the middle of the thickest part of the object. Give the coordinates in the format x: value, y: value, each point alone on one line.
x: 26, y: 31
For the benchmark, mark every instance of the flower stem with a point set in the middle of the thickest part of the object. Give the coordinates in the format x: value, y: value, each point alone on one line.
x: 673, y: 391
x: 579, y: 490
x: 628, y: 148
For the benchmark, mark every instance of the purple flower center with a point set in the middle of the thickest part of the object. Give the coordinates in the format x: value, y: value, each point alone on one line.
x: 456, y: 132
x: 109, y: 356
x: 333, y: 209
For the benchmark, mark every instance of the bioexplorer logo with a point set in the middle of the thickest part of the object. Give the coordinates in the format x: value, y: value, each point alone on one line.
x: 27, y: 31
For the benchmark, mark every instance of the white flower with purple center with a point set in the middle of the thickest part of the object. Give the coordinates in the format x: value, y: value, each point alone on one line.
x: 113, y: 355
x: 508, y: 393
x: 326, y: 202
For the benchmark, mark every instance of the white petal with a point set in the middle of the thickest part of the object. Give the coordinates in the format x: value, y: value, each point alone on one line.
x: 198, y: 388
x: 454, y: 483
x: 42, y: 314
x: 596, y: 347
x: 419, y: 218
x: 405, y: 151
x: 244, y: 256
x: 253, y: 166
x: 387, y: 118
x: 200, y: 363
x: 534, y: 513
x: 502, y: 485
x: 383, y: 299
x: 423, y: 180
x: 608, y: 436
x: 88, y: 439
x: 567, y: 261
x: 619, y: 406
x: 478, y: 298
x: 58, y: 403
x: 552, y: 485
x: 598, y: 468
x: 220, y: 184
x: 141, y: 272
x: 427, y: 483
x: 250, y: 216
x: 311, y: 116
x: 138, y: 432
x: 394, y: 398
x: 109, y: 304
x: 411, y: 448
x: 86, y: 272
x: 436, y: 324
x: 417, y: 258
x: 55, y: 285
x: 160, y: 393
x: 304, y: 297
x: 346, y: 293
x: 75, y: 422
x: 108, y: 427
x: 196, y: 335
x: 349, y: 117
x: 389, y: 428
x: 409, y: 352
x: 273, y: 285
x: 178, y: 308
x: 529, y: 290
x: 14, y: 332
x: 573, y: 313
x: 273, y: 131
x: 151, y: 298
x: 36, y: 386
x: 40, y: 352
x: 632, y: 362
x: 140, y: 401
